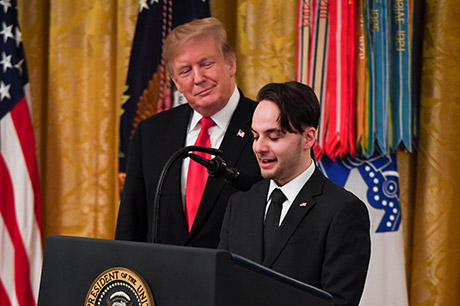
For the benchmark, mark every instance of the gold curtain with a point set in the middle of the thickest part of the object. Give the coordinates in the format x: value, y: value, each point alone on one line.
x: 77, y: 54
x: 435, y: 276
x: 263, y: 34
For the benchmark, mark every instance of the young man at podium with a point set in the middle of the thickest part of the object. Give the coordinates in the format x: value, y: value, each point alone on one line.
x: 296, y: 221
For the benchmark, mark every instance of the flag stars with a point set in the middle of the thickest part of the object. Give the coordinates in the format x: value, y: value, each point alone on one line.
x: 7, y: 32
x: 143, y: 5
x: 6, y: 61
x: 4, y: 91
x: 18, y: 66
x: 18, y: 37
x: 6, y: 4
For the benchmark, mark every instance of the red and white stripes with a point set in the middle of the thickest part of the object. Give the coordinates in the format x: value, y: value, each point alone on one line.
x: 20, y: 210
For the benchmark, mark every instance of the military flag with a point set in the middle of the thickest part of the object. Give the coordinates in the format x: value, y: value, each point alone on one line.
x: 148, y: 87
x: 376, y: 182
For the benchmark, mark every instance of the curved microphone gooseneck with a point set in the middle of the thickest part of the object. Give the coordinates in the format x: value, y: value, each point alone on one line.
x: 156, y: 202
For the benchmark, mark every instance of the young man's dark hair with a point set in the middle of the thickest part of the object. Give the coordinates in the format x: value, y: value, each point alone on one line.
x: 298, y: 104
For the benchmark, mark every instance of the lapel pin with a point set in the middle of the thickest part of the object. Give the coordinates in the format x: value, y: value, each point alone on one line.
x: 303, y: 204
x: 240, y: 133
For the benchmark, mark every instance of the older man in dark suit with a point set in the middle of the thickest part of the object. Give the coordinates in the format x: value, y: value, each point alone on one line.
x: 297, y: 221
x: 203, y: 67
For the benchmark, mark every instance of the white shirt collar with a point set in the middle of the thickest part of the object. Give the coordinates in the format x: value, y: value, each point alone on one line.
x: 292, y: 189
x: 222, y: 117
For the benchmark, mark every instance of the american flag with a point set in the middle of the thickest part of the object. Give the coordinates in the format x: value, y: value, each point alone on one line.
x: 20, y: 204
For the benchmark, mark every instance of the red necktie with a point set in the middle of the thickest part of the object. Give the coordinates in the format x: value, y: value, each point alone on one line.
x: 197, y: 174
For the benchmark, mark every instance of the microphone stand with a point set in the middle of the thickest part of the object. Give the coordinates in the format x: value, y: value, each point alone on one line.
x: 156, y: 201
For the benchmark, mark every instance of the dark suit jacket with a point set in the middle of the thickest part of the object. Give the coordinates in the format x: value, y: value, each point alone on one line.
x: 155, y: 140
x: 324, y: 243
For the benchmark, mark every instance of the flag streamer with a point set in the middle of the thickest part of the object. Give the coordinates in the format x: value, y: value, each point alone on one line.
x: 356, y: 55
x: 401, y: 87
x: 359, y: 65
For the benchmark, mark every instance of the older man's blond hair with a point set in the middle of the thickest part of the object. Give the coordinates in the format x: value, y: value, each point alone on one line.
x: 195, y: 29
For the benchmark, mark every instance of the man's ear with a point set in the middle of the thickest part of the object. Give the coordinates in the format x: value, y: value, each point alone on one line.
x: 176, y: 83
x: 231, y: 62
x: 310, y: 137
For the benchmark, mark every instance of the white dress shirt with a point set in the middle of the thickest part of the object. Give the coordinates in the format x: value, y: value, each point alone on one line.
x: 216, y: 132
x: 290, y: 190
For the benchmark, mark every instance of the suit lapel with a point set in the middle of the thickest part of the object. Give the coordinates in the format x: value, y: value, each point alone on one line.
x: 232, y: 146
x: 238, y: 133
x: 172, y: 189
x: 303, y: 203
x: 256, y: 218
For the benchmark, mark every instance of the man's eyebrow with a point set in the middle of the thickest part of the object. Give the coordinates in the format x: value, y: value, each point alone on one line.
x: 206, y: 58
x: 180, y: 67
x: 270, y: 131
x: 200, y: 61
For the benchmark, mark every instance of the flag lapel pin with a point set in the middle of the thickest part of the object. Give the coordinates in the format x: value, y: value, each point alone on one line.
x: 240, y: 133
x: 303, y: 204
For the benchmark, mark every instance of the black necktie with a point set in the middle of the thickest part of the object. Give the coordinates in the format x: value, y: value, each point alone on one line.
x: 272, y: 219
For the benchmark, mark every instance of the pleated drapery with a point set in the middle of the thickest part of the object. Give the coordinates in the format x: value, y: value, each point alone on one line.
x: 78, y: 52
x: 435, y: 266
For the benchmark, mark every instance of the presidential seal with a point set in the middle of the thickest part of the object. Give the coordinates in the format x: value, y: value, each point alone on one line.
x: 119, y: 287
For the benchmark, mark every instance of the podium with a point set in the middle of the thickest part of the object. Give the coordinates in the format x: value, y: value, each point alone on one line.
x: 176, y: 275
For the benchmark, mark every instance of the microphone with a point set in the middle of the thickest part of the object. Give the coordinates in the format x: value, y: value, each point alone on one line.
x: 217, y: 167
x: 181, y: 153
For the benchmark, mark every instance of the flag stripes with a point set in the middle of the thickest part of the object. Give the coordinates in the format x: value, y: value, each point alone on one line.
x: 20, y: 203
x: 7, y: 275
x: 20, y: 218
x: 22, y: 121
x: 4, y: 300
x: 19, y: 268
